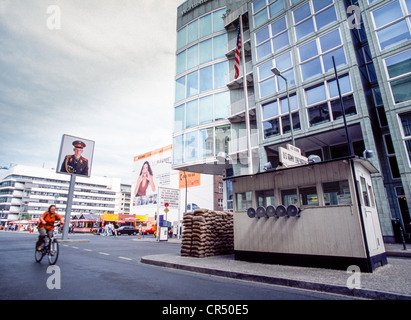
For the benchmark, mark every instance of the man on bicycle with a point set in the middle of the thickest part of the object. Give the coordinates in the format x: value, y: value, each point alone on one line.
x: 46, y: 225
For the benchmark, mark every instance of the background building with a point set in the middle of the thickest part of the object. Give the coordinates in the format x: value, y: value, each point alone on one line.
x: 28, y: 192
x: 299, y: 38
x: 202, y: 190
x: 125, y: 199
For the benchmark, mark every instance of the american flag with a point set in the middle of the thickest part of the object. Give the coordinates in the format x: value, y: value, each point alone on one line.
x: 237, y: 53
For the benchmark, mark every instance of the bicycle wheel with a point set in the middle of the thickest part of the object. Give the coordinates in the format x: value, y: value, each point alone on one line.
x: 53, y: 252
x: 38, y: 255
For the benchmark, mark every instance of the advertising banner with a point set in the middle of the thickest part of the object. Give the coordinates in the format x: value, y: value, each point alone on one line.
x: 151, y: 170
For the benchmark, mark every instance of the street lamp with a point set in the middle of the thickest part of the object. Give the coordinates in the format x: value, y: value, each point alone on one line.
x: 278, y: 73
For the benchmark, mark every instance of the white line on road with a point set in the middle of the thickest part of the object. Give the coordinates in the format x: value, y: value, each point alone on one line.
x: 124, y: 258
x: 89, y: 250
x: 104, y: 253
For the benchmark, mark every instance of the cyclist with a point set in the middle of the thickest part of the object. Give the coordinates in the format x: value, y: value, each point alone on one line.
x: 46, y: 225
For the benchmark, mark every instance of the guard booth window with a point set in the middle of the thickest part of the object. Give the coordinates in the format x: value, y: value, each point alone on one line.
x: 265, y: 198
x: 289, y: 197
x: 243, y: 201
x: 336, y: 193
x: 309, y: 196
x: 365, y: 192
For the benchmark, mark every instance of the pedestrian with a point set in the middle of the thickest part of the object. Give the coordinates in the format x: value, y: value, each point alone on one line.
x: 140, y: 230
x: 115, y: 228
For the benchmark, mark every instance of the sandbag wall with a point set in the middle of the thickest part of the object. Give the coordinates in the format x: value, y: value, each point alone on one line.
x: 207, y: 233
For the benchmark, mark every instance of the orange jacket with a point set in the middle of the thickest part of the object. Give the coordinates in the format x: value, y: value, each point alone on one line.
x: 50, y: 219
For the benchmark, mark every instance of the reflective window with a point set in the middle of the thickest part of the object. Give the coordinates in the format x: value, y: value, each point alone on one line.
x: 181, y: 38
x: 220, y: 74
x: 192, y: 57
x: 206, y: 78
x: 316, y: 56
x: 308, y: 196
x: 191, y: 146
x: 221, y: 105
x: 181, y: 62
x: 406, y: 132
x: 268, y: 82
x: 336, y: 193
x: 218, y: 21
x: 179, y: 118
x: 206, y: 53
x: 266, y: 9
x: 276, y: 116
x: 278, y: 33
x: 178, y: 149
x: 219, y: 44
x: 206, y: 141
x: 192, y: 31
x: 244, y: 201
x: 392, y: 23
x: 192, y: 84
x: 192, y: 114
x: 222, y: 138
x: 265, y: 198
x: 399, y: 74
x: 313, y: 16
x: 289, y: 197
x: 324, y: 104
x: 205, y: 26
x: 206, y: 106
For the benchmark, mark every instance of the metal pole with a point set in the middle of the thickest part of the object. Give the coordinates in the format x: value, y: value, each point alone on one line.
x: 342, y: 110
x: 68, y: 207
x: 247, y: 115
x: 289, y: 111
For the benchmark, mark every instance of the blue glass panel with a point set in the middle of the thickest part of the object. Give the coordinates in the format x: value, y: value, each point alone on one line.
x: 206, y: 79
x: 280, y: 41
x: 325, y: 18
x: 388, y: 13
x: 302, y: 13
x: 311, y: 68
x: 394, y: 34
x: 315, y: 94
x: 304, y: 29
x: 192, y: 114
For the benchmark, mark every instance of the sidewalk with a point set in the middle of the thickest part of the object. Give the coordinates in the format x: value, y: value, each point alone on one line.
x: 392, y: 281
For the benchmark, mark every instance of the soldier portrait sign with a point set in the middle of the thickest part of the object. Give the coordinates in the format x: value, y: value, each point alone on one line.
x: 76, y: 156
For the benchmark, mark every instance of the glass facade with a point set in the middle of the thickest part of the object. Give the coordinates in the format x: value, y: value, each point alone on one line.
x: 300, y: 39
x: 201, y: 95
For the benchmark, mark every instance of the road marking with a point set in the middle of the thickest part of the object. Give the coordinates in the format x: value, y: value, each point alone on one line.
x: 104, y: 253
x: 124, y: 258
x: 74, y: 247
x: 89, y: 250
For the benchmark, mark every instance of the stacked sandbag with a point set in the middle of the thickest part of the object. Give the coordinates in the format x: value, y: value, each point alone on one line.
x: 207, y: 233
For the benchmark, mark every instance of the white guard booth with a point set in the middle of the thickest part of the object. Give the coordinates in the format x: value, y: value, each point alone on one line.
x: 311, y: 215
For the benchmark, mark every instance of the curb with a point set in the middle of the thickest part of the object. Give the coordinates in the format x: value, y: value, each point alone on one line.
x: 322, y: 287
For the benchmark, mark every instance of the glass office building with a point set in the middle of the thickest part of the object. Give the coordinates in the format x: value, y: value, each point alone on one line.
x: 248, y: 118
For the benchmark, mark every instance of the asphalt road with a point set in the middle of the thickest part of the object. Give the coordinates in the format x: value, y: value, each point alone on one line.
x: 109, y: 268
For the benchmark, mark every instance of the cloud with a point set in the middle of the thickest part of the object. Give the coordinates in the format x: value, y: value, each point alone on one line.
x: 106, y: 75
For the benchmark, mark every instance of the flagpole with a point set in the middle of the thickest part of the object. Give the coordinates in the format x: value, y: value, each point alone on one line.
x: 247, y: 114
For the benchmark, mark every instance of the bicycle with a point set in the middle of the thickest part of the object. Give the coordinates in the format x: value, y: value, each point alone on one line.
x: 50, y: 248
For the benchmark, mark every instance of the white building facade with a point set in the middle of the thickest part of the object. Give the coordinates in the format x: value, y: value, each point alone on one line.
x: 27, y: 192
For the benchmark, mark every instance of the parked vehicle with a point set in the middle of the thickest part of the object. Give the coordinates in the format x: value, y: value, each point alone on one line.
x: 130, y: 230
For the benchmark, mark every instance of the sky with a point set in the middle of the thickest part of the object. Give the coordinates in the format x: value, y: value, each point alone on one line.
x: 101, y: 70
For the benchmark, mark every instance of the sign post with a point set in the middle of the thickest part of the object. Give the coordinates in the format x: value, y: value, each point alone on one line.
x: 168, y: 198
x: 75, y: 158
